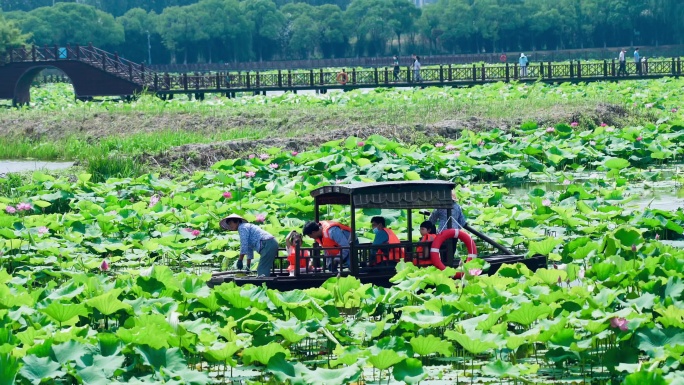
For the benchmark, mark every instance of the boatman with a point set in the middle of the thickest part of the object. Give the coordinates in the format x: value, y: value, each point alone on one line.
x: 252, y: 238
x: 439, y: 217
x: 331, y: 234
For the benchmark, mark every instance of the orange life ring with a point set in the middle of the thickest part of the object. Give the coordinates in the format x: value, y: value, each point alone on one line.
x: 342, y: 78
x: 503, y: 57
x: 448, y: 234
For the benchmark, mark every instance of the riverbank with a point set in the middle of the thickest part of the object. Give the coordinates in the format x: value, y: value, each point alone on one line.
x: 190, y: 134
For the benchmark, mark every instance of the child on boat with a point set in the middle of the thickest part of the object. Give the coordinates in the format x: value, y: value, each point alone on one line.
x: 291, y: 241
x: 428, y: 233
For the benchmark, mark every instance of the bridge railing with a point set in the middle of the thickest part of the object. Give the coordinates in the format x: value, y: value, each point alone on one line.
x: 449, y: 74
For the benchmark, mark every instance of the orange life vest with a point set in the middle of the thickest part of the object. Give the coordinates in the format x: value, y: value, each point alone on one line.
x: 420, y: 259
x: 395, y: 254
x: 326, y: 241
x: 291, y: 258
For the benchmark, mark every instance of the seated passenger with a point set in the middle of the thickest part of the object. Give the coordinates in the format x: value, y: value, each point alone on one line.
x: 331, y: 234
x: 385, y: 236
x: 428, y: 234
x: 293, y: 239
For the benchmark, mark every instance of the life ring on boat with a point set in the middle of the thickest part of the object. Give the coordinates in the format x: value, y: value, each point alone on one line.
x: 342, y: 78
x: 449, y: 234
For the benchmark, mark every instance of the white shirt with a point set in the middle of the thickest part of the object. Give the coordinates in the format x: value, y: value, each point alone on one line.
x: 622, y: 56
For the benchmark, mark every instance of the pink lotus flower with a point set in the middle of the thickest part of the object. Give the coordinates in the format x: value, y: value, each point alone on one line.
x: 475, y: 272
x: 634, y: 248
x: 566, y: 182
x: 673, y: 110
x: 480, y: 143
x: 273, y: 165
x: 574, y: 124
x: 195, y: 233
x: 10, y: 210
x: 43, y: 230
x: 450, y: 147
x: 263, y: 156
x: 294, y: 153
x: 153, y: 200
x: 260, y: 217
x: 361, y: 144
x: 592, y: 143
x: 104, y: 266
x: 439, y: 145
x: 639, y: 138
x: 603, y: 124
x: 618, y: 322
x: 24, y: 207
x: 657, y: 236
x: 227, y: 195
x: 550, y: 130
x: 546, y: 202
x: 250, y: 174
x: 252, y: 156
x: 457, y: 154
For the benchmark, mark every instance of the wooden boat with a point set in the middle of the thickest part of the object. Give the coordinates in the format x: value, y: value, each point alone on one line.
x: 410, y: 196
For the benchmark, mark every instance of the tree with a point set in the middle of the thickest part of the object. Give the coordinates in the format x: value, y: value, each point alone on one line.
x: 401, y: 17
x: 72, y: 23
x: 268, y: 23
x: 179, y: 29
x: 10, y: 36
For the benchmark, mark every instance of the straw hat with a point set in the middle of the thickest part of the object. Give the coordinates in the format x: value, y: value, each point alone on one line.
x: 224, y: 221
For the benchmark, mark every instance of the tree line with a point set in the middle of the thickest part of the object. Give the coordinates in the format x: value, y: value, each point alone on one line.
x: 191, y: 31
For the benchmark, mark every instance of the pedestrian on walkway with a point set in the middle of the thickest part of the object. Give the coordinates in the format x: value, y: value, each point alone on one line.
x: 395, y: 70
x: 523, y: 64
x: 637, y: 61
x: 623, y: 63
x: 416, y: 69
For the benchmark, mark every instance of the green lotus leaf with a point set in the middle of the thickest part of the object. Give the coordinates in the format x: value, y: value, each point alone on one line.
x: 628, y: 237
x: 35, y: 369
x: 108, y: 303
x: 68, y: 351
x: 425, y: 345
x: 653, y: 341
x: 262, y: 354
x: 9, y: 368
x: 223, y: 353
x: 472, y: 345
x: 528, y: 313
x: 409, y: 371
x: 62, y: 313
x: 385, y: 359
x: 616, y: 163
x: 645, y: 376
x: 171, y: 359
x: 544, y: 247
x: 501, y: 369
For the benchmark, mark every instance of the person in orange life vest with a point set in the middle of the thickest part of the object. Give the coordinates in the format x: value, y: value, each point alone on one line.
x: 428, y: 233
x: 293, y: 239
x: 330, y: 234
x: 385, y: 236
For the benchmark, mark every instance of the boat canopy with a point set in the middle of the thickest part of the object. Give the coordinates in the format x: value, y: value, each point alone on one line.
x: 423, y: 194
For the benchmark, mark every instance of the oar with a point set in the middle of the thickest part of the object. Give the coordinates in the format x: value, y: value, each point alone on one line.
x: 488, y: 240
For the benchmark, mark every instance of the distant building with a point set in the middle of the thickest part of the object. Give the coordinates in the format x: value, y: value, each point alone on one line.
x: 421, y: 3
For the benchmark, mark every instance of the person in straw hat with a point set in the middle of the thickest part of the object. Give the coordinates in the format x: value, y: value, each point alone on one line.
x: 252, y: 238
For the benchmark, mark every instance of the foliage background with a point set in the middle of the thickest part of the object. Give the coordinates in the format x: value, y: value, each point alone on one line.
x: 232, y: 30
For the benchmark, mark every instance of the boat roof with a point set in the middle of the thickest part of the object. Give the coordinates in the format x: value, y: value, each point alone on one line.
x: 417, y: 194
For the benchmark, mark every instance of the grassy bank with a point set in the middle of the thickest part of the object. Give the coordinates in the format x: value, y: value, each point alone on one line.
x: 57, y: 127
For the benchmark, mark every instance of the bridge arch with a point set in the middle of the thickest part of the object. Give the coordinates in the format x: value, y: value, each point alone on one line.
x: 22, y: 88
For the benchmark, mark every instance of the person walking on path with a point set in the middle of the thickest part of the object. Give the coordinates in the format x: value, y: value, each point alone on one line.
x: 623, y: 63
x: 637, y: 61
x: 252, y: 238
x: 523, y: 64
x: 416, y: 69
x: 395, y: 70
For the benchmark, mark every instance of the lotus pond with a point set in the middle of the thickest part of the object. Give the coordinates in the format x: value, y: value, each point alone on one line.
x: 607, y: 310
